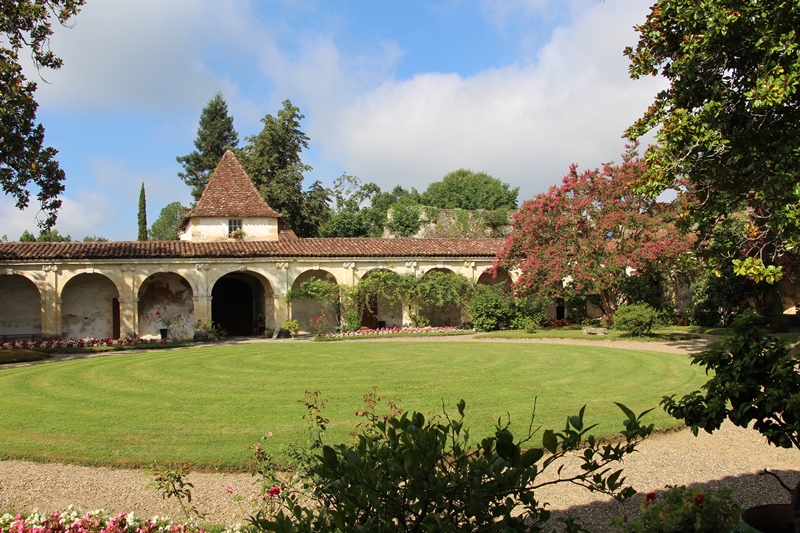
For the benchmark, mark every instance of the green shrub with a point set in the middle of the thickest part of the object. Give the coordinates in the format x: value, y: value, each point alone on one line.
x: 405, y: 219
x: 685, y: 509
x: 637, y: 319
x: 406, y: 472
x: 351, y: 321
x: 491, y: 306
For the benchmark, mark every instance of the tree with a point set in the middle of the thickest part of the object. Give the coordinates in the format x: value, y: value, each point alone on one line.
x: 165, y: 228
x: 23, y: 157
x: 142, y: 216
x: 350, y: 217
x: 728, y: 126
x: 272, y: 160
x: 588, y: 235
x: 215, y: 135
x: 465, y: 189
x: 45, y: 236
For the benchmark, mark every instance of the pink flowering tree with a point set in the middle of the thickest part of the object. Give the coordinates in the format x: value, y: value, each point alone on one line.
x: 588, y: 235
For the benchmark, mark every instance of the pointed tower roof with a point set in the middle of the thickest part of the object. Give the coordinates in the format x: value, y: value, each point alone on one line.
x: 231, y: 193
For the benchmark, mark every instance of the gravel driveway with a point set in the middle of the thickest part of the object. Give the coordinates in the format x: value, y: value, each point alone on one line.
x: 731, y: 457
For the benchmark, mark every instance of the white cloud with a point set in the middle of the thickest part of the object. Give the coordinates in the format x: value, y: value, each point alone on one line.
x: 524, y: 123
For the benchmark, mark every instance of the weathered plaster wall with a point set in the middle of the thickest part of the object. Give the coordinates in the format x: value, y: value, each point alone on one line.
x: 20, y: 310
x: 87, y: 307
x: 170, y: 295
x: 390, y: 312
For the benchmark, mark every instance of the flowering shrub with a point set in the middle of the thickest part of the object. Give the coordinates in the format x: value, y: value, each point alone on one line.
x: 390, y: 331
x: 684, y: 509
x: 78, y: 343
x: 72, y: 521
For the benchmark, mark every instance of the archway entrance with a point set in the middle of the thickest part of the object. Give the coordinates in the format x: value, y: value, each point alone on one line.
x: 90, y: 308
x: 307, y: 311
x: 21, y: 313
x: 241, y: 303
x: 169, y: 295
x: 381, y: 312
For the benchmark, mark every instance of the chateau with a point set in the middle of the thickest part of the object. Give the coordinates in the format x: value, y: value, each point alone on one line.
x: 234, y: 264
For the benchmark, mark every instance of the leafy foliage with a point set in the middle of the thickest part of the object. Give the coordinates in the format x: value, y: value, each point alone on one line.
x: 588, y: 235
x: 465, y: 189
x: 45, y: 236
x: 728, y: 125
x: 408, y: 473
x: 636, y: 319
x: 350, y: 217
x: 24, y: 159
x: 405, y: 218
x: 755, y: 380
x: 491, y: 306
x: 272, y: 160
x: 165, y: 228
x: 685, y: 509
x: 215, y: 135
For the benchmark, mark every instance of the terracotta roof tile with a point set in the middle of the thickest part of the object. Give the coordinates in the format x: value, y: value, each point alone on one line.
x: 335, y: 247
x: 231, y: 193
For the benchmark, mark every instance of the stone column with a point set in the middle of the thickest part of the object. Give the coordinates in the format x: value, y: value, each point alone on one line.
x: 50, y: 303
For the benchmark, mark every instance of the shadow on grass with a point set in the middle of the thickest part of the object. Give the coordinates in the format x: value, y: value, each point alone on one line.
x: 748, y: 490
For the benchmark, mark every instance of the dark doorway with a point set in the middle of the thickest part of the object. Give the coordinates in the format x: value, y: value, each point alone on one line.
x: 369, y: 318
x: 232, y: 305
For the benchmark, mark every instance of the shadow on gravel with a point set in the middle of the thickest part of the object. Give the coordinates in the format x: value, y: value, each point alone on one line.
x: 748, y: 490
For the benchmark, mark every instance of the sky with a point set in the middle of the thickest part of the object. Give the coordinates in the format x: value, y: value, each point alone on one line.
x: 396, y: 93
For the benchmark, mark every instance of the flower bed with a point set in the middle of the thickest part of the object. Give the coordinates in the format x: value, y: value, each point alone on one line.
x: 390, y: 331
x: 72, y: 521
x: 78, y: 343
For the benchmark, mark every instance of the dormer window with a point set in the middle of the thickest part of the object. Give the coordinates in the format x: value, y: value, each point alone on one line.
x: 234, y: 225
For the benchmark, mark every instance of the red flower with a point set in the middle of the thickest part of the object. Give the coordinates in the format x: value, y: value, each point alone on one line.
x: 698, y: 500
x: 158, y: 313
x: 274, y: 491
x: 650, y: 497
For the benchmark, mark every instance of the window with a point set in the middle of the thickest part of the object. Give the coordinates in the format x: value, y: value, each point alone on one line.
x: 234, y: 225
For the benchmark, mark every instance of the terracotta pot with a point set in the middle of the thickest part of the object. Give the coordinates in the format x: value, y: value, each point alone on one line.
x: 776, y: 518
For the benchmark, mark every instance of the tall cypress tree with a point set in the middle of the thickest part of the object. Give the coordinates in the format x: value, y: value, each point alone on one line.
x: 214, y: 135
x: 142, y: 216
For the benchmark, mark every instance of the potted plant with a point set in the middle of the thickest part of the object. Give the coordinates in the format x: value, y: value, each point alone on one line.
x: 292, y: 326
x: 756, y: 380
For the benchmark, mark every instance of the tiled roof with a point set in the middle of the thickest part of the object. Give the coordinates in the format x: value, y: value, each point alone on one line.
x: 230, y: 193
x: 322, y: 248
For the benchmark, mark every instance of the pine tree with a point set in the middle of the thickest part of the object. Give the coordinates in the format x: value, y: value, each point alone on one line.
x: 142, y: 216
x: 272, y: 160
x: 214, y: 135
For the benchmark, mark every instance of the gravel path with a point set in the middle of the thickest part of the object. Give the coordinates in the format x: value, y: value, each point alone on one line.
x: 731, y: 457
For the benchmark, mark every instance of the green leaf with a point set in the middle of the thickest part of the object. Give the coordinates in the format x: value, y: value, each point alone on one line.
x: 329, y: 457
x: 628, y: 412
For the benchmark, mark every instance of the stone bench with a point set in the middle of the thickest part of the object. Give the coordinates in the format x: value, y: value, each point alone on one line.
x: 595, y: 331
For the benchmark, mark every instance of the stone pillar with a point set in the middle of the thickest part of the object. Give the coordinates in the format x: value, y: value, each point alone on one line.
x: 281, y: 310
x: 128, y: 303
x: 50, y: 303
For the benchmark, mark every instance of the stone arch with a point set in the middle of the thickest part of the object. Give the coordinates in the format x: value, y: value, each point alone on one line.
x: 21, y: 312
x: 242, y: 303
x: 381, y: 312
x: 89, y: 307
x: 489, y: 278
x: 442, y: 315
x: 166, y: 296
x: 306, y: 311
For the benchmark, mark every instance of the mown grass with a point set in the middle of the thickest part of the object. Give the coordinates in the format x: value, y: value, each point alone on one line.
x: 671, y: 334
x: 205, y: 406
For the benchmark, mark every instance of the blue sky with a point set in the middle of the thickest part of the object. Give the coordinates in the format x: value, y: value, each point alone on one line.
x: 392, y: 92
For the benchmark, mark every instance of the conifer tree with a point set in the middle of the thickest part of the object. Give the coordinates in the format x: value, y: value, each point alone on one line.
x: 142, y: 216
x: 272, y: 160
x: 214, y: 135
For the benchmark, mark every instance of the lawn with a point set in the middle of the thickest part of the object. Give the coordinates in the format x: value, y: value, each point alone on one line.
x: 205, y: 405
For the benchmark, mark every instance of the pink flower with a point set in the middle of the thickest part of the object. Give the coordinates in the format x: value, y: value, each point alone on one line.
x: 229, y: 490
x: 274, y: 491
